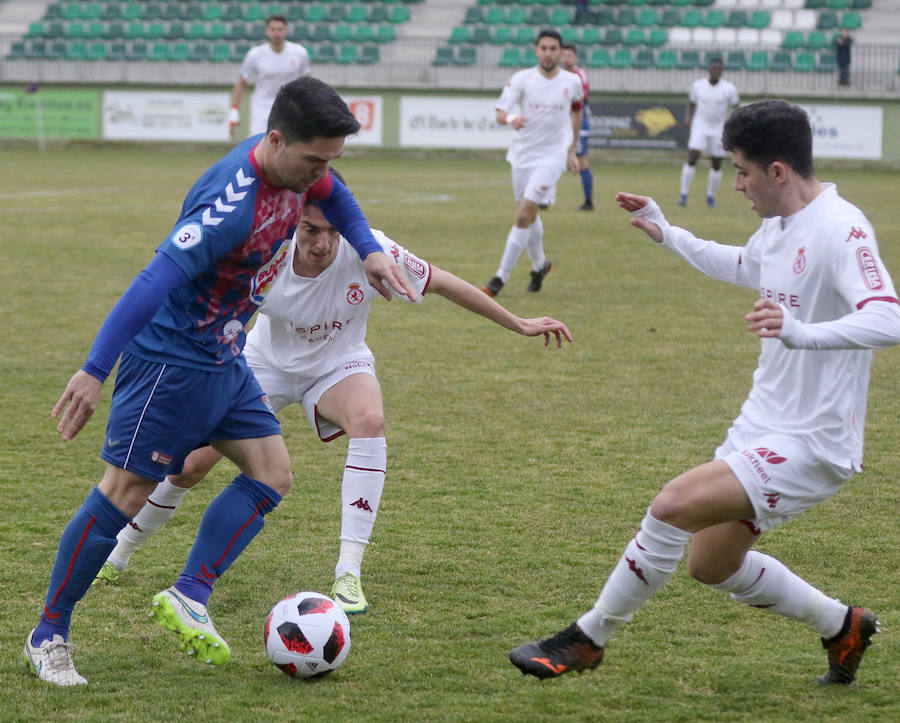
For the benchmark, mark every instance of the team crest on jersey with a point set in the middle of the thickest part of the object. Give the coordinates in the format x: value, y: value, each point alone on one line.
x: 869, y: 268
x: 187, y: 236
x: 416, y: 267
x: 355, y: 294
x: 800, y: 261
x: 265, y: 277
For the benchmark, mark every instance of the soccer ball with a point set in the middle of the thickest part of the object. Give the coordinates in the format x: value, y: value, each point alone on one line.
x: 307, y: 634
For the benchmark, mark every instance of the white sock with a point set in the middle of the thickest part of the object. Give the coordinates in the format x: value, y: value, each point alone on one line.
x: 515, y: 244
x: 764, y: 582
x: 649, y: 560
x: 687, y: 176
x: 535, y: 244
x: 715, y: 178
x: 157, y: 510
x: 360, y: 496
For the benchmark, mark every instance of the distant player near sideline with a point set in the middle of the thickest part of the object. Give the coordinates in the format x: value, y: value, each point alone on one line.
x: 543, y: 146
x: 709, y: 102
x: 569, y: 59
x: 826, y: 302
x: 309, y: 347
x: 182, y: 380
x: 267, y: 67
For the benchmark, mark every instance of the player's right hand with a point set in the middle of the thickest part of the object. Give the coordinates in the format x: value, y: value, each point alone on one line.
x: 633, y: 203
x: 77, y: 403
x: 385, y: 275
x: 234, y: 117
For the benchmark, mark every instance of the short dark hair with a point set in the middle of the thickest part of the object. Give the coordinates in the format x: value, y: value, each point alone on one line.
x: 308, y: 108
x: 569, y: 46
x: 277, y: 18
x: 548, y: 33
x: 771, y: 130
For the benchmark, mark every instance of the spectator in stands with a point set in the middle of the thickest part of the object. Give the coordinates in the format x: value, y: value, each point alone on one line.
x: 267, y: 67
x: 709, y: 103
x: 581, y: 11
x: 842, y: 45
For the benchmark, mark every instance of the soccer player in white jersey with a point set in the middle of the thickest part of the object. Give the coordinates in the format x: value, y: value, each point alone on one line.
x: 549, y: 101
x: 825, y: 302
x: 309, y: 347
x: 709, y: 103
x: 267, y: 67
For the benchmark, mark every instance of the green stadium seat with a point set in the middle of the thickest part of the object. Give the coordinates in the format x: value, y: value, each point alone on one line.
x: 199, y: 51
x: 71, y: 11
x: 515, y: 15
x: 713, y: 19
x: 385, y: 34
x: 625, y: 17
x: 325, y: 54
x: 702, y: 3
x: 459, y: 34
x: 16, y: 50
x: 538, y: 16
x: 735, y: 60
x: 480, y: 36
x: 158, y: 51
x: 136, y: 50
x: 253, y: 12
x: 511, y: 57
x: 35, y: 30
x: 466, y: 55
x: 647, y: 18
x: 221, y: 53
x: 474, y: 15
x: 377, y: 14
x: 781, y: 61
x: 35, y: 49
x: 76, y: 50
x: 195, y: 31
x: 635, y: 36
x: 357, y: 14
x: 759, y: 60
x: 692, y: 18
x: 348, y: 54
x: 295, y: 13
x: 737, y: 19
x: 175, y: 30
x: 602, y: 17
x: 493, y: 16
x: 590, y: 35
x: 178, y: 52
x: 114, y: 30
x: 680, y: 3
x: 838, y: 4
x: 636, y: 3
x: 666, y: 59
x: 861, y: 4
x: 443, y: 56
x: 95, y: 30
x: 670, y: 17
x: 760, y: 19
x: 239, y: 49
x: 336, y: 14
x: 369, y: 55
x: 688, y: 60
x: 621, y: 58
x: 826, y: 63
x: 657, y: 37
x: 320, y: 34
x: 341, y: 33
x: 612, y: 36
x: 524, y: 35
x: 74, y: 29
x: 804, y: 62
x: 599, y: 58
x: 398, y: 14
x: 560, y: 17
x: 814, y: 4
x: 643, y: 59
x: 816, y: 40
x: 212, y: 11
x: 827, y: 20
x: 851, y: 21
x: 363, y: 33
x: 792, y: 39
x: 501, y: 35
x: 117, y: 50
x: 315, y: 14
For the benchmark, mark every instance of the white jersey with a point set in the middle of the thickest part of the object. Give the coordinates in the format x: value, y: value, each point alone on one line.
x: 267, y: 71
x: 713, y: 101
x: 821, y: 264
x: 308, y: 326
x: 545, y: 104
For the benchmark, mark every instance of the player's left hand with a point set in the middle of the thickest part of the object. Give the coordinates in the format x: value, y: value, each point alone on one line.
x: 546, y: 326
x: 572, y: 161
x: 385, y: 275
x: 766, y: 319
x: 79, y: 401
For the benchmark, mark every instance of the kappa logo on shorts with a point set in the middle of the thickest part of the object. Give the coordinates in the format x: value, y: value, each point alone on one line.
x: 772, y: 499
x: 770, y: 456
x: 160, y: 457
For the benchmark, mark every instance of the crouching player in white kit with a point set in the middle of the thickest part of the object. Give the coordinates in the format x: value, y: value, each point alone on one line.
x: 308, y: 346
x: 826, y: 301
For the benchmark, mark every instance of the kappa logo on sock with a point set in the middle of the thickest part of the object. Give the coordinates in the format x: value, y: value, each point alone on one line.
x: 636, y: 570
x: 362, y: 504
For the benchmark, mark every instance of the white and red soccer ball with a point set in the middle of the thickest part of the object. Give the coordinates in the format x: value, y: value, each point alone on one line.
x: 307, y: 634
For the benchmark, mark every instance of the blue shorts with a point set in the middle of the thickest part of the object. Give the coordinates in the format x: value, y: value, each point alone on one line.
x: 161, y: 412
x: 582, y: 148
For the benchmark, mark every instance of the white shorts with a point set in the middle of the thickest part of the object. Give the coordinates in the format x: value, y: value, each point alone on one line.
x: 536, y: 183
x: 708, y: 138
x: 782, y: 477
x: 283, y: 389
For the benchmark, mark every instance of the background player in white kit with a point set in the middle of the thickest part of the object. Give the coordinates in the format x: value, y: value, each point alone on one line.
x: 267, y: 67
x: 550, y: 103
x: 709, y: 102
x: 826, y: 301
x: 308, y: 346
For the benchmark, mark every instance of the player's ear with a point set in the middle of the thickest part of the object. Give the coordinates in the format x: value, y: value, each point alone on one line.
x: 276, y: 139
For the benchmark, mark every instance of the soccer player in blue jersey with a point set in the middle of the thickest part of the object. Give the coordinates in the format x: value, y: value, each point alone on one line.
x: 182, y: 380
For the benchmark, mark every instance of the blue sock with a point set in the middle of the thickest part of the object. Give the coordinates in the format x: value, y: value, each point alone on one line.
x: 83, y: 548
x: 230, y: 522
x: 587, y: 182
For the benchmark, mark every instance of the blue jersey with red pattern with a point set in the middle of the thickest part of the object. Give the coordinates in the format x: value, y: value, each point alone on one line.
x: 231, y: 241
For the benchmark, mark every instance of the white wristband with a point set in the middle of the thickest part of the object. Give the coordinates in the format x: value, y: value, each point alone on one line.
x: 234, y: 117
x: 510, y: 117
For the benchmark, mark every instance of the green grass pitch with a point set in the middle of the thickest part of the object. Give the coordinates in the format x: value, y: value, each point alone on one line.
x: 516, y: 474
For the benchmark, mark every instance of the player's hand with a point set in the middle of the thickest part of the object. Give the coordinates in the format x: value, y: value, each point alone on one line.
x: 234, y: 117
x: 77, y: 403
x: 517, y: 123
x: 572, y: 161
x: 632, y: 202
x: 385, y: 275
x: 766, y: 319
x: 546, y: 326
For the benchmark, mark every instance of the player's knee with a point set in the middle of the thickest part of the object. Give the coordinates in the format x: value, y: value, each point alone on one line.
x: 367, y: 424
x: 279, y: 479
x: 709, y: 568
x: 669, y: 507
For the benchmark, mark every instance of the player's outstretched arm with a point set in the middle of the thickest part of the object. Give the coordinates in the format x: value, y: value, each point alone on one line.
x: 463, y: 294
x: 77, y: 403
x: 385, y: 275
